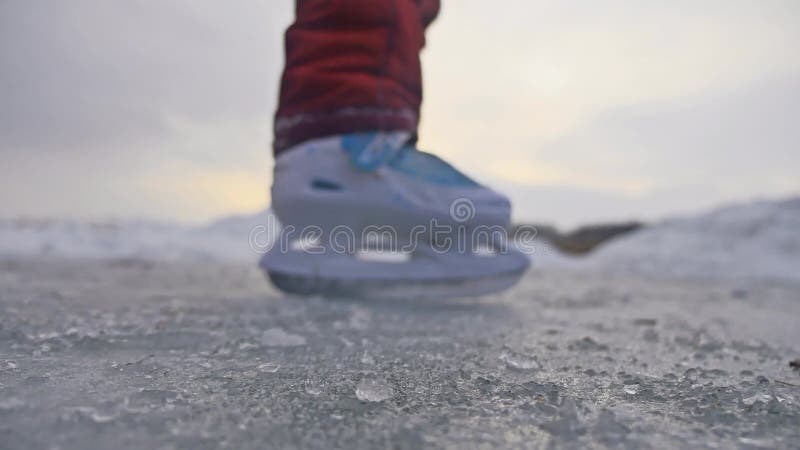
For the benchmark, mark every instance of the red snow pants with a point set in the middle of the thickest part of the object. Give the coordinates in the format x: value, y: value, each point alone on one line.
x: 352, y: 65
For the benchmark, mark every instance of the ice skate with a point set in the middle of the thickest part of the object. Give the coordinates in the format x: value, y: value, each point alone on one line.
x: 368, y: 215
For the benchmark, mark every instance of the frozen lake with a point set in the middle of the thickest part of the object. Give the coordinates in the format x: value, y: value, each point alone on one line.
x: 125, y: 353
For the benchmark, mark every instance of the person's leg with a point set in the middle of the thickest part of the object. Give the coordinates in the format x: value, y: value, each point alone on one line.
x: 352, y: 66
x: 347, y: 167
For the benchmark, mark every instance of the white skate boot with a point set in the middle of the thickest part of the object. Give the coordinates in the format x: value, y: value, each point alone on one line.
x: 365, y: 215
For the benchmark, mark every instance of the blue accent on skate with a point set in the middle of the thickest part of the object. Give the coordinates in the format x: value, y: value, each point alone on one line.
x: 429, y: 168
x: 368, y: 151
x: 325, y: 185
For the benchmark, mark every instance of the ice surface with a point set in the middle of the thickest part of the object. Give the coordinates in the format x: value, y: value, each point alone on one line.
x: 99, y: 354
x: 157, y: 336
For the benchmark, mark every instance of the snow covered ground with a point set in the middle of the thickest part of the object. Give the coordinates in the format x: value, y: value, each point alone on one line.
x: 759, y: 240
x: 224, y: 240
x: 141, y: 335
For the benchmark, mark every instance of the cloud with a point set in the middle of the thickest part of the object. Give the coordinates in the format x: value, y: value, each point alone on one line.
x: 141, y: 107
x: 93, y: 74
x: 596, y: 110
x: 737, y: 142
x: 649, y: 160
x: 516, y: 76
x: 120, y: 108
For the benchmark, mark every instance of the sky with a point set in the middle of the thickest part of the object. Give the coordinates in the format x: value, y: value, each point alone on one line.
x: 580, y: 111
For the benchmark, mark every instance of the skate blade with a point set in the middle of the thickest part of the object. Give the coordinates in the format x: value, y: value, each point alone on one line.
x: 423, y: 273
x: 393, y: 289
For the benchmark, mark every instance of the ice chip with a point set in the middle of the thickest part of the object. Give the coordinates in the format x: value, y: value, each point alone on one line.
x: 373, y: 389
x: 11, y: 403
x: 93, y: 414
x: 608, y: 426
x: 313, y: 390
x: 268, y: 367
x: 587, y: 344
x: 519, y: 361
x: 758, y: 397
x: 367, y: 359
x: 277, y: 337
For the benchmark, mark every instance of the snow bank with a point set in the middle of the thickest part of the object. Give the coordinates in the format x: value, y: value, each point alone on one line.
x: 230, y: 239
x: 755, y: 240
